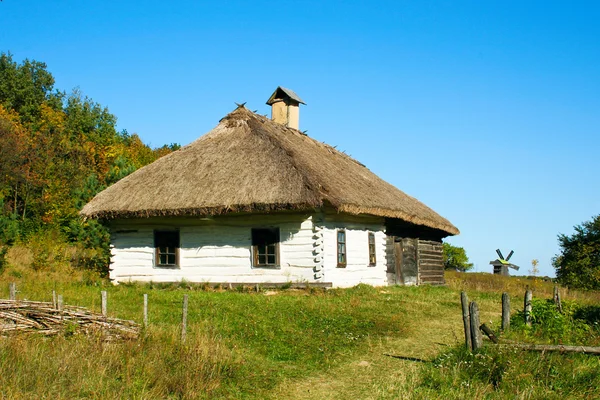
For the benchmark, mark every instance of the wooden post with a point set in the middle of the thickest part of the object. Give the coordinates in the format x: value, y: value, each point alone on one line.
x: 12, y: 288
x: 54, y: 305
x: 104, y: 303
x: 476, y: 339
x: 184, y: 318
x: 505, y: 312
x: 557, y: 299
x: 230, y: 286
x: 145, y: 310
x: 464, y: 300
x: 527, y: 307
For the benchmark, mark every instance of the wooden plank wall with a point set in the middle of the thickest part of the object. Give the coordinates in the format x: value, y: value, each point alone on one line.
x: 431, y: 263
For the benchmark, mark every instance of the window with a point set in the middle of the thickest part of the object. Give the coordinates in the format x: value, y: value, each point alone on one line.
x: 372, y: 258
x: 265, y: 247
x: 341, y: 248
x: 166, y: 244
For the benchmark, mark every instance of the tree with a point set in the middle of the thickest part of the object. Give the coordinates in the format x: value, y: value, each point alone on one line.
x: 23, y: 87
x: 578, y: 264
x: 456, y: 258
x: 56, y: 153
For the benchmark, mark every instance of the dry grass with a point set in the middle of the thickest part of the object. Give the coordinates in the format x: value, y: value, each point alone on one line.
x: 515, y: 286
x: 54, y: 265
x: 78, y: 367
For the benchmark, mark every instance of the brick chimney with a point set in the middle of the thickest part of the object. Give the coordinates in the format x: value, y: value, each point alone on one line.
x: 285, y: 107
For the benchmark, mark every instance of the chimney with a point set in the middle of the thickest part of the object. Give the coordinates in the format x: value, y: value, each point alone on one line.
x: 285, y: 107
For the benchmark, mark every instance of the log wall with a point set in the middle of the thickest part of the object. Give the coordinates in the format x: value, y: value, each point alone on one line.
x: 431, y: 263
x: 413, y: 261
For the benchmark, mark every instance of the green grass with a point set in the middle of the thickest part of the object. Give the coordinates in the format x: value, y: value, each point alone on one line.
x: 288, y: 344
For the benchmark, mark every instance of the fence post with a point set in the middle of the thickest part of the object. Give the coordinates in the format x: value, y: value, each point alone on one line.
x: 184, y: 318
x: 12, y: 288
x: 505, y: 311
x: 145, y: 310
x: 464, y: 300
x: 54, y: 305
x: 476, y: 338
x: 104, y: 303
x: 527, y: 307
x: 557, y: 299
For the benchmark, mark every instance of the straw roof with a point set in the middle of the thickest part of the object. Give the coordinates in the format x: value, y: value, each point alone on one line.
x: 249, y: 163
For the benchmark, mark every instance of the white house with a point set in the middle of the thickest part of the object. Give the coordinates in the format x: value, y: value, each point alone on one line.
x: 257, y: 201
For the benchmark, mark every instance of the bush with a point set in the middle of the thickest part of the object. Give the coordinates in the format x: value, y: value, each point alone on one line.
x: 10, y: 229
x: 575, y: 325
x: 3, y: 261
x: 96, y: 260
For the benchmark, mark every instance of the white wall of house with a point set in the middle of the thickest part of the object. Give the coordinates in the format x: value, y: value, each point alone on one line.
x: 219, y: 249
x: 213, y: 249
x: 357, y: 268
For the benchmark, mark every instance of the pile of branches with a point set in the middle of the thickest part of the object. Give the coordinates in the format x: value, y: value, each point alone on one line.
x: 36, y: 316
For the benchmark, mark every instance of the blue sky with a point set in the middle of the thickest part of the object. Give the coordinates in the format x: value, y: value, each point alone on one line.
x: 488, y: 112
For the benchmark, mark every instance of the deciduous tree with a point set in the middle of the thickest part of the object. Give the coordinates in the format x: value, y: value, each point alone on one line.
x: 578, y: 264
x: 456, y: 258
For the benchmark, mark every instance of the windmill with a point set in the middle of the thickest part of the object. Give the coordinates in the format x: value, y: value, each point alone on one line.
x: 501, y: 265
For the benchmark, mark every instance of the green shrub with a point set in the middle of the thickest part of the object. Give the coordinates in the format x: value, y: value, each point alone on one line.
x: 3, y: 260
x: 575, y: 325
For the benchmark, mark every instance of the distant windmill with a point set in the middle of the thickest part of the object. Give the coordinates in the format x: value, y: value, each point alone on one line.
x: 501, y: 265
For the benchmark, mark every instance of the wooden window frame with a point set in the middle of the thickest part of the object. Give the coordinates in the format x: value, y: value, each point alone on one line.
x: 342, y: 248
x: 372, y: 249
x: 257, y: 249
x: 158, y: 252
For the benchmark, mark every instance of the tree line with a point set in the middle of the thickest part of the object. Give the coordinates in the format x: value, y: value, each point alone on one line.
x: 57, y: 151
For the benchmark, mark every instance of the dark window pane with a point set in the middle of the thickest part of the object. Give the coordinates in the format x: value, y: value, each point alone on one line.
x: 265, y: 246
x: 166, y: 243
x: 265, y: 236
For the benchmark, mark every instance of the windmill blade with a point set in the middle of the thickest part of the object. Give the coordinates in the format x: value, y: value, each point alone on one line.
x: 499, y: 254
x: 513, y: 266
x: 510, y: 255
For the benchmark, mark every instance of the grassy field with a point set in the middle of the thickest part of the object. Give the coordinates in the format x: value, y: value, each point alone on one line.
x: 363, y: 342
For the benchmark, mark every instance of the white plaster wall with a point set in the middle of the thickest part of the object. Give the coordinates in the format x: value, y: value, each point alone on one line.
x: 213, y: 250
x: 357, y: 268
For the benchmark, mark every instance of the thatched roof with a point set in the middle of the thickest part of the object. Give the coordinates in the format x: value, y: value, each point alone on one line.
x: 249, y: 163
